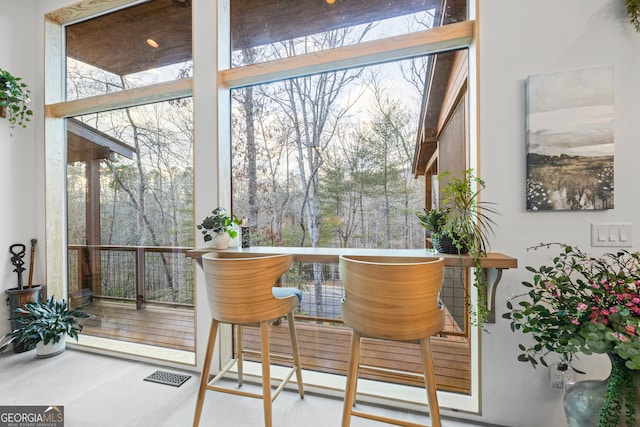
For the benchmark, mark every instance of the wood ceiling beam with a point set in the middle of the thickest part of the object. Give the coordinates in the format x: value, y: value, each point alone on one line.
x: 416, y: 44
x: 85, y: 9
x: 143, y: 95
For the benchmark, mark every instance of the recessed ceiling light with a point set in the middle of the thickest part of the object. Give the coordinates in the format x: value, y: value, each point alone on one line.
x: 152, y: 43
x: 331, y: 1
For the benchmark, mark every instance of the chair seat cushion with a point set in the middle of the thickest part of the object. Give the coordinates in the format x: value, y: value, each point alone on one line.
x: 286, y: 293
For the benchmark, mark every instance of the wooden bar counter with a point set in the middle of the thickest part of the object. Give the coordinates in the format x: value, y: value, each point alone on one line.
x: 331, y: 255
x: 494, y: 263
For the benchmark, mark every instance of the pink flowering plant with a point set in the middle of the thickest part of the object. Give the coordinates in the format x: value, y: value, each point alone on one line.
x: 584, y: 304
x: 581, y: 304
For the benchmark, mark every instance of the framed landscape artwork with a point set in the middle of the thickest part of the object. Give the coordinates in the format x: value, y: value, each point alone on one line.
x: 570, y: 140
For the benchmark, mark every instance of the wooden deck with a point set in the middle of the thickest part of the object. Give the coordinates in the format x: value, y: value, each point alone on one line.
x: 153, y: 325
x: 323, y: 348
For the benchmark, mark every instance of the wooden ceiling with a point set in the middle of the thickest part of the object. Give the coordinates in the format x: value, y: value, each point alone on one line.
x: 117, y: 42
x: 255, y: 23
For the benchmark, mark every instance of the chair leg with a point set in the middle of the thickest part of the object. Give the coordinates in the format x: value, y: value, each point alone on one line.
x: 239, y: 353
x: 206, y: 368
x: 296, y: 353
x: 352, y: 380
x: 266, y: 373
x: 430, y: 381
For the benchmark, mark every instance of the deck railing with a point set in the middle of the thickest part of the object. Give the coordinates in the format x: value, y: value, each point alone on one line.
x: 140, y: 274
x: 165, y: 275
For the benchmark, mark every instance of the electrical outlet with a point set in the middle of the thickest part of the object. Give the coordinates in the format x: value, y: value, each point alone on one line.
x: 559, y: 375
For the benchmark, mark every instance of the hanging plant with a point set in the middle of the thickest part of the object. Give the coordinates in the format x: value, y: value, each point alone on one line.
x: 466, y: 224
x: 14, y: 99
x: 633, y: 10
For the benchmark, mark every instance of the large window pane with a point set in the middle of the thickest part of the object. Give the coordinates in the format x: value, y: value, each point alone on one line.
x: 130, y: 220
x: 265, y: 31
x: 140, y: 45
x: 331, y: 160
x: 325, y: 160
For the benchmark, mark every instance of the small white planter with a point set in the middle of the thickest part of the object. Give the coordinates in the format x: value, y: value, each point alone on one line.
x: 235, y: 242
x: 51, y: 349
x: 221, y: 240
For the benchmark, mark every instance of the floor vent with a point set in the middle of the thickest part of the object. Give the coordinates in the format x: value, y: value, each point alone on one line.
x: 168, y: 378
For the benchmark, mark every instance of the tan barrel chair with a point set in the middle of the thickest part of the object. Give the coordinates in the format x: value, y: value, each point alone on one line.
x: 396, y: 299
x: 240, y: 291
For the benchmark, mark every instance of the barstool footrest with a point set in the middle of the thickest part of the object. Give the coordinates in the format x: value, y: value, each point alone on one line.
x: 393, y: 372
x: 235, y: 391
x: 223, y: 372
x: 387, y: 420
x: 283, y: 383
x: 273, y: 356
x: 227, y: 367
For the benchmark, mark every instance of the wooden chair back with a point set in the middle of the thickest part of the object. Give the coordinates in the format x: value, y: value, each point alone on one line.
x: 392, y: 297
x: 239, y: 286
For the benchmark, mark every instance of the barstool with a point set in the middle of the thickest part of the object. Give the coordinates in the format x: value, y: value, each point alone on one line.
x: 396, y: 299
x: 240, y: 291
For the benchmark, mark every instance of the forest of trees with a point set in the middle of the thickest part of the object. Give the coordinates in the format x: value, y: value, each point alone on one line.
x: 325, y: 160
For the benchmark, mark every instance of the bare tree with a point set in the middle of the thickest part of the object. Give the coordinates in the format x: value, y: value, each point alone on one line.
x: 311, y: 105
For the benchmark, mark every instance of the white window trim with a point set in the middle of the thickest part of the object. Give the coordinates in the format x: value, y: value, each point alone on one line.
x: 459, y: 35
x: 213, y: 76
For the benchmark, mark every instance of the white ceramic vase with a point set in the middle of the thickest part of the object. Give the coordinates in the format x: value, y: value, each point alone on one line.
x: 51, y: 349
x: 221, y: 240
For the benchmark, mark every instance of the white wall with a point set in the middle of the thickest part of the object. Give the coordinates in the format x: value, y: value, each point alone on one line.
x: 517, y: 39
x: 21, y: 187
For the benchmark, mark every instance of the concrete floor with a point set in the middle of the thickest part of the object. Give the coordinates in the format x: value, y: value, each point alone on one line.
x: 103, y: 391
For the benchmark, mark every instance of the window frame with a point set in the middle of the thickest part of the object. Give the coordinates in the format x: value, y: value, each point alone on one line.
x: 210, y: 87
x: 449, y: 37
x: 57, y: 109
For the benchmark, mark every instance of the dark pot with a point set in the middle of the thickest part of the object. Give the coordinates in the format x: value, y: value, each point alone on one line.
x: 18, y: 298
x: 444, y: 245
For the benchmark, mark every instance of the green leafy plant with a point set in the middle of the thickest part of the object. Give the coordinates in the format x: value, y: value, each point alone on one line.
x: 218, y: 222
x: 433, y: 220
x: 467, y: 222
x: 14, y: 97
x: 584, y: 304
x: 633, y: 10
x: 46, y: 322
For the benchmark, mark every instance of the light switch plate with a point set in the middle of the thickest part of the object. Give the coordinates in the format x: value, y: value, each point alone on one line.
x: 612, y: 235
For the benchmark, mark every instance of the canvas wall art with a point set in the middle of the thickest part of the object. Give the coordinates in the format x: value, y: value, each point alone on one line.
x: 570, y: 140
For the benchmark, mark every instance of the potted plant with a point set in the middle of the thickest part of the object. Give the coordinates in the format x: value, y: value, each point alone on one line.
x: 219, y: 228
x: 434, y: 221
x: 468, y: 220
x: 585, y: 304
x: 463, y: 226
x: 46, y: 325
x: 14, y: 99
